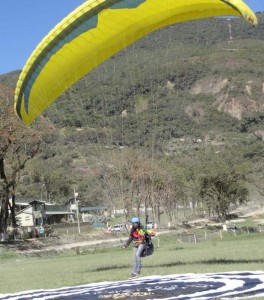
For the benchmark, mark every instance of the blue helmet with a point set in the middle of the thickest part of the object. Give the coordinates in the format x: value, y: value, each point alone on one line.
x: 135, y: 220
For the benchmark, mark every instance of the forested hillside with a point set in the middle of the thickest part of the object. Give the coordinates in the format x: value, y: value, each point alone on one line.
x: 158, y: 121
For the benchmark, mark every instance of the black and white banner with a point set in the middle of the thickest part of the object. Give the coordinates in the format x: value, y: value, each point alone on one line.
x: 229, y: 285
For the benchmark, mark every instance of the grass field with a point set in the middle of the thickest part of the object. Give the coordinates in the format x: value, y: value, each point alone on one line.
x: 231, y: 253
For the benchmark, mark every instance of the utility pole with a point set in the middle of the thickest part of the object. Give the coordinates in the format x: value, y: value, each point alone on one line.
x: 77, y: 210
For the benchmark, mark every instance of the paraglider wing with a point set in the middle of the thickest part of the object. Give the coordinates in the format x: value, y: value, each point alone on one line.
x: 95, y: 31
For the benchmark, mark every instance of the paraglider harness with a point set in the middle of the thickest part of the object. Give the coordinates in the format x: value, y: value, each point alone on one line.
x: 149, y: 248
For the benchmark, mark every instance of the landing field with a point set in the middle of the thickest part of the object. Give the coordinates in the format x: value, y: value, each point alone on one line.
x: 241, y: 252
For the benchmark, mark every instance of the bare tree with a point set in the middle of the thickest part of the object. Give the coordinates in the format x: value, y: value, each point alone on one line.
x: 18, y: 144
x: 131, y: 177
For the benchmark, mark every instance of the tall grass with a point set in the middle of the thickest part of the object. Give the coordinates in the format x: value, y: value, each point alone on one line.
x: 232, y: 253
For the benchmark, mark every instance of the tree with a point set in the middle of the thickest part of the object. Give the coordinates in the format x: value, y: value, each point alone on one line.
x: 222, y: 190
x: 18, y: 144
x: 52, y: 178
x: 168, y: 189
x: 129, y: 175
x: 223, y: 184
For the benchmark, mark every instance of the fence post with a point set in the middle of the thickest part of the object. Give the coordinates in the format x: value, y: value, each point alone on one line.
x: 195, y: 240
x: 205, y: 235
x: 221, y: 235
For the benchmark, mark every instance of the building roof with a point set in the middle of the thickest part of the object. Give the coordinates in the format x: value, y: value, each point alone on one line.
x: 59, y: 213
x: 24, y: 210
x: 37, y: 202
x: 93, y: 208
x: 55, y: 207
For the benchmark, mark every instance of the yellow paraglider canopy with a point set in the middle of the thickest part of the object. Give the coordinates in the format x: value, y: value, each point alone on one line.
x: 96, y: 30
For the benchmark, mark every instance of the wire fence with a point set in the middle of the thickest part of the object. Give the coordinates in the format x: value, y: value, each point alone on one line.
x: 217, y: 234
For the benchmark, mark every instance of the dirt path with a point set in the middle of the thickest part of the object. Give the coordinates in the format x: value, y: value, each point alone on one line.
x: 118, y: 240
x: 83, y: 244
x: 77, y: 243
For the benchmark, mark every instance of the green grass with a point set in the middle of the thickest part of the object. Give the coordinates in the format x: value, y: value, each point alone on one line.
x: 232, y: 253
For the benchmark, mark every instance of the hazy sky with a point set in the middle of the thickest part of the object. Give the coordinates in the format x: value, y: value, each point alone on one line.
x: 24, y: 23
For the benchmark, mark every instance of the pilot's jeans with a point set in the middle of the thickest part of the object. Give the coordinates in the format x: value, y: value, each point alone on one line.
x: 137, y: 259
